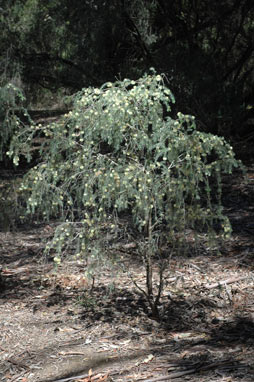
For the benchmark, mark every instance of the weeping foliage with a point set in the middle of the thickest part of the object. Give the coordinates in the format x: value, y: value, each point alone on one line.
x: 115, y: 152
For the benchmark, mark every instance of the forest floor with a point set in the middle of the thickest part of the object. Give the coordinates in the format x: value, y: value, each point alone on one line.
x: 56, y: 326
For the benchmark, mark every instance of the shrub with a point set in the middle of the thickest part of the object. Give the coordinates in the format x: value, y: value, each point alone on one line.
x: 11, y: 112
x: 118, y: 153
x: 11, y: 101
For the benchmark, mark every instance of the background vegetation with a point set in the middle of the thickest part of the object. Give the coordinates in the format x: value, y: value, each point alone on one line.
x: 205, y: 48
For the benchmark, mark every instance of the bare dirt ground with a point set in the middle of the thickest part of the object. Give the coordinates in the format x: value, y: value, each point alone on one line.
x: 56, y: 327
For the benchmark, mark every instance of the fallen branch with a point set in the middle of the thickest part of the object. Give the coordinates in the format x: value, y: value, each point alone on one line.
x: 225, y: 282
x: 228, y: 364
x: 172, y: 375
x: 82, y: 376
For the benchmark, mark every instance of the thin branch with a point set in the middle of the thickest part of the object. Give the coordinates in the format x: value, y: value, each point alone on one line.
x: 137, y: 35
x: 137, y: 286
x: 161, y: 285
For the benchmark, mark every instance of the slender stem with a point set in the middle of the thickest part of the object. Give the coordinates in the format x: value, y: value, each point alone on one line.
x: 149, y: 266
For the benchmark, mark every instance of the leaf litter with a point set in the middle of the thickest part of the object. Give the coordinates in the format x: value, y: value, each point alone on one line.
x: 56, y: 327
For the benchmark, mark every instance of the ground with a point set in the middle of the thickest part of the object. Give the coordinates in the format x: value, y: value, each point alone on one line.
x: 57, y: 325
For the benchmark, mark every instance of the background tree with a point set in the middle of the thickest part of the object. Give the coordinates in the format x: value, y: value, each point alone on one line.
x: 205, y: 48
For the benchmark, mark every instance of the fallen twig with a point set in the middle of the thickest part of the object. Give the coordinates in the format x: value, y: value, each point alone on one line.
x: 172, y: 375
x: 225, y: 282
x: 79, y: 377
x: 18, y: 363
x: 83, y: 376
